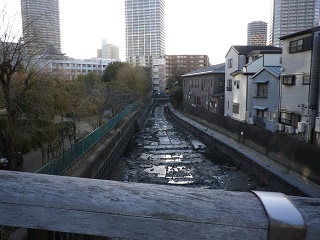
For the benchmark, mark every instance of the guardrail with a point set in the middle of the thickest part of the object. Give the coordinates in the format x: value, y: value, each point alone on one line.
x: 148, y: 211
x: 60, y: 164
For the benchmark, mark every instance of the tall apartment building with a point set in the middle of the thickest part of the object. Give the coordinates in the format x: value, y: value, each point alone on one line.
x: 180, y: 64
x: 290, y: 16
x: 257, y: 33
x: 108, y: 51
x: 41, y: 25
x: 145, y: 31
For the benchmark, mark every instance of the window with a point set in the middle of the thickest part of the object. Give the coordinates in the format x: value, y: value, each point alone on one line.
x: 262, y: 90
x: 221, y: 84
x: 229, y: 85
x: 306, y: 80
x: 255, y: 57
x: 289, y: 80
x: 236, y: 107
x: 295, y: 46
x: 285, y: 118
x: 237, y: 84
x: 301, y: 45
x: 270, y: 116
x: 230, y: 63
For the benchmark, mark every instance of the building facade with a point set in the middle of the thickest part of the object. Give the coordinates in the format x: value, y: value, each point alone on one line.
x: 257, y: 33
x: 204, y: 88
x: 145, y: 31
x: 41, y: 25
x: 159, y: 75
x: 299, y: 110
x: 265, y: 97
x: 108, y: 51
x: 72, y: 68
x: 242, y: 62
x: 290, y: 16
x: 181, y: 64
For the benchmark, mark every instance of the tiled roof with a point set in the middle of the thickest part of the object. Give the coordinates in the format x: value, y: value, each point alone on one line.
x: 218, y: 68
x: 246, y: 49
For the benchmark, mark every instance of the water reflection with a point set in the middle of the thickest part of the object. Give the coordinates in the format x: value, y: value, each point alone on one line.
x: 164, y: 153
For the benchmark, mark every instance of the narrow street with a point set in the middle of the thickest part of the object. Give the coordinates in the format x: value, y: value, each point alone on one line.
x: 164, y: 153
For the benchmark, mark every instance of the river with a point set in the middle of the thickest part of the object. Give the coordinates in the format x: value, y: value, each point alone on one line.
x: 165, y: 153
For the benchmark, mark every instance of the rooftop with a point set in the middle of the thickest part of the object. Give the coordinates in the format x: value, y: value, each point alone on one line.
x: 218, y: 68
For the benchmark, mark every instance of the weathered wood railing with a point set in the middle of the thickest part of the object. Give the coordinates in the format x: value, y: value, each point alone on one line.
x: 138, y: 211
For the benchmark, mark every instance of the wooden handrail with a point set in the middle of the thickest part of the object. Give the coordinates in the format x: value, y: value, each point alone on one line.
x: 137, y: 211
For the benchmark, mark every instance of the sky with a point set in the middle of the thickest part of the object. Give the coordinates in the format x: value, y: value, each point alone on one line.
x: 206, y: 27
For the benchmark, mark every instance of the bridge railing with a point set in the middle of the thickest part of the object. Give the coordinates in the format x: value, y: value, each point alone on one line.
x: 147, y: 211
x: 60, y: 164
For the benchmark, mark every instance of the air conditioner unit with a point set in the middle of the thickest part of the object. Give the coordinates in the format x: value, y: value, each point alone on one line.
x: 302, y: 127
x: 317, y: 127
x: 289, y: 129
x: 280, y: 127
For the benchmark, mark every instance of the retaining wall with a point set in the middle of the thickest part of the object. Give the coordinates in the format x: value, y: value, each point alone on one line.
x: 294, y: 154
x: 101, y: 163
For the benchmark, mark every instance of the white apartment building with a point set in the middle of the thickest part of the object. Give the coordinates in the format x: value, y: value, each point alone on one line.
x: 108, y: 51
x: 72, y: 68
x: 159, y: 75
x: 145, y: 31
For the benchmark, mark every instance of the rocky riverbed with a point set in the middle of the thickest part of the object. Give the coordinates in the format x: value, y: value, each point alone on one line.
x: 164, y: 153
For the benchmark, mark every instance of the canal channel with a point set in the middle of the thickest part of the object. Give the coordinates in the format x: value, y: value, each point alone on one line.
x: 165, y: 153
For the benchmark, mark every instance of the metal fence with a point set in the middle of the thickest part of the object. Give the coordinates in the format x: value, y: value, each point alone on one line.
x: 60, y: 164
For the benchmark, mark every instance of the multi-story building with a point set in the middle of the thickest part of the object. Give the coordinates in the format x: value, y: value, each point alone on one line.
x: 159, y: 75
x: 180, y: 64
x: 290, y: 16
x: 242, y: 62
x: 204, y: 88
x: 108, y: 51
x: 72, y: 68
x: 299, y: 110
x: 257, y: 33
x: 41, y: 26
x: 145, y: 31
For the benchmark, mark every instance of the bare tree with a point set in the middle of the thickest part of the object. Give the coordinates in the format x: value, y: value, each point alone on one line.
x: 17, y: 65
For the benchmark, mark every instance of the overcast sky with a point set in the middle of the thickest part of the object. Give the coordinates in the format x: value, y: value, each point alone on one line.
x: 207, y: 27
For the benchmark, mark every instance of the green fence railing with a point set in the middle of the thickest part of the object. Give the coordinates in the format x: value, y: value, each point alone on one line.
x: 60, y: 164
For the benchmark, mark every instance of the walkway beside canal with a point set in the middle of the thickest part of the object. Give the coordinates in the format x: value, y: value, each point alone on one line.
x: 309, y: 188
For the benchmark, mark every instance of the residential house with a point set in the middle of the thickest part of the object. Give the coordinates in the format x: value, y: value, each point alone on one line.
x: 299, y: 109
x: 265, y: 97
x: 204, y: 88
x: 242, y: 62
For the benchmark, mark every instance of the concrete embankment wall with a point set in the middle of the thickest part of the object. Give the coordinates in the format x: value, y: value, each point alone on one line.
x: 101, y: 163
x: 295, y: 155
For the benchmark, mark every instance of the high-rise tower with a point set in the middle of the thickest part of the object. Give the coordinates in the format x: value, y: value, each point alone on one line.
x: 145, y: 31
x: 291, y: 16
x: 257, y: 33
x: 41, y: 25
